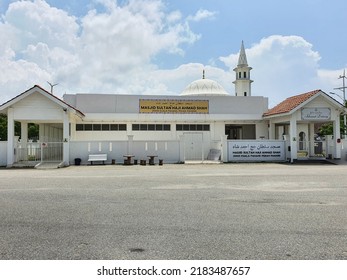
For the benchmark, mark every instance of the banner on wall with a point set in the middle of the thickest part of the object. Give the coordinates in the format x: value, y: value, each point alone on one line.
x: 164, y: 106
x: 253, y: 151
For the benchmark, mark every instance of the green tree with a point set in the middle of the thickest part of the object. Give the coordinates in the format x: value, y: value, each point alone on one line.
x: 3, y: 127
x: 328, y: 129
x: 33, y: 129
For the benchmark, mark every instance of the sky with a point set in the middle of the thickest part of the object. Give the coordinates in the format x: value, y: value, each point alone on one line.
x: 160, y: 46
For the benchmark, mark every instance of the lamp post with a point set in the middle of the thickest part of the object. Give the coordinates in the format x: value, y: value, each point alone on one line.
x: 343, y: 89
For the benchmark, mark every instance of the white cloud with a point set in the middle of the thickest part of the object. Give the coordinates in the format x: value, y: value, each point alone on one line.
x: 202, y: 15
x: 109, y: 50
x: 112, y: 50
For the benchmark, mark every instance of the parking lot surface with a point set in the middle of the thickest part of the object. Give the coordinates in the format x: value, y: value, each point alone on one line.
x: 183, y: 212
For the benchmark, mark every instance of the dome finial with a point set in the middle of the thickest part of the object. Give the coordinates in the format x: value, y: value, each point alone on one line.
x: 203, y: 73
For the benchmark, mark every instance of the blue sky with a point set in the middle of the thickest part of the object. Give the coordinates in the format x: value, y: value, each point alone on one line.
x: 160, y: 46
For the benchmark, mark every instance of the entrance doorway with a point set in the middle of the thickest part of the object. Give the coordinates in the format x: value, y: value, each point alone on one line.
x: 193, y: 146
x: 233, y: 132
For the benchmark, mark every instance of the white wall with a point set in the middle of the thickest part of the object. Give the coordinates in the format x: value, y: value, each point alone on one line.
x: 3, y: 153
x: 37, y: 107
x: 169, y: 151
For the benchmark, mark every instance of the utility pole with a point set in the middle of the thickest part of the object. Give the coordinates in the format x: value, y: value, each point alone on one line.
x: 343, y: 89
x: 52, y: 86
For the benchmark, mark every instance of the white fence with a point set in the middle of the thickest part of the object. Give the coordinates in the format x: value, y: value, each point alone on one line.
x: 36, y: 152
x: 3, y: 153
x: 168, y: 151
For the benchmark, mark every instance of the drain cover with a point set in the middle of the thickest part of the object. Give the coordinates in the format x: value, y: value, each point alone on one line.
x: 136, y: 250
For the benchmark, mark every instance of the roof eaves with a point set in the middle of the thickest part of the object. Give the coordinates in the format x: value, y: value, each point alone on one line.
x: 51, y: 96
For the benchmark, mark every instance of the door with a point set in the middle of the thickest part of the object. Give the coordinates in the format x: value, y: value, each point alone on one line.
x: 193, y: 146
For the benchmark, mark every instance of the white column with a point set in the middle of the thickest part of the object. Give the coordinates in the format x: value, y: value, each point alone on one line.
x: 42, y: 133
x: 10, y: 137
x: 271, y: 130
x: 130, y: 144
x: 224, y: 148
x: 24, y: 139
x: 293, y: 139
x: 66, y: 139
x: 311, y: 138
x: 182, y: 159
x: 24, y: 133
x: 337, y: 137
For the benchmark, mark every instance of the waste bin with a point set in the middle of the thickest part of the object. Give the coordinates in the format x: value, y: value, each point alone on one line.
x: 77, y: 161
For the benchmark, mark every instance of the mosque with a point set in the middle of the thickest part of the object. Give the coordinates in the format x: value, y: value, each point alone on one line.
x: 202, y: 123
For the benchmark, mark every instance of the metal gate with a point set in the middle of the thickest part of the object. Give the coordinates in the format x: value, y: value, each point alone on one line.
x: 193, y: 146
x: 39, y: 152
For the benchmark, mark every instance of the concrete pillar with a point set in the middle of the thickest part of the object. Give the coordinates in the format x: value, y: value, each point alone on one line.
x: 182, y: 158
x: 24, y: 139
x: 24, y: 133
x: 224, y: 148
x: 10, y: 137
x: 337, y: 137
x: 66, y: 139
x: 130, y: 144
x: 42, y: 133
x: 272, y: 130
x: 293, y: 139
x: 311, y: 138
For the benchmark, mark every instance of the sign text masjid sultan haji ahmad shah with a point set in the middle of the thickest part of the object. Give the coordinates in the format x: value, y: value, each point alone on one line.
x: 161, y: 106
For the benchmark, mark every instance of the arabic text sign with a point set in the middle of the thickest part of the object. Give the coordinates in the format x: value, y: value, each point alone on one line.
x: 163, y: 106
x: 256, y: 150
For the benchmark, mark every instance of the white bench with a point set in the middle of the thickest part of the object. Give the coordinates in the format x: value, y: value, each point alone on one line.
x: 97, y: 157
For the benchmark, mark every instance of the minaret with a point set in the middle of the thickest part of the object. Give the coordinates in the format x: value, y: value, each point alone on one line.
x: 243, y: 75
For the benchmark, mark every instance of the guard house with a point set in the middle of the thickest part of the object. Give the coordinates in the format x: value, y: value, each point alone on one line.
x: 54, y: 117
x: 294, y: 120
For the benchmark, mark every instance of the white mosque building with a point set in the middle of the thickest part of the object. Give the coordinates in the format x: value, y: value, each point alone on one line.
x: 204, y: 122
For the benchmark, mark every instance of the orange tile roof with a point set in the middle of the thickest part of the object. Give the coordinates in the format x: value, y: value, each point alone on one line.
x: 290, y: 103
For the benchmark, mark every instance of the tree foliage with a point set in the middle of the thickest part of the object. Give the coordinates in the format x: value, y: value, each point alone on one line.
x: 33, y: 129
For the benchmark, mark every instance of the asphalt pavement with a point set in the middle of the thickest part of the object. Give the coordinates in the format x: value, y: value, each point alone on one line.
x: 245, y: 211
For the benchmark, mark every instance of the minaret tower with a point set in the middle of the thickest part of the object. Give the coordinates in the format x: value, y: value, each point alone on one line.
x: 243, y: 75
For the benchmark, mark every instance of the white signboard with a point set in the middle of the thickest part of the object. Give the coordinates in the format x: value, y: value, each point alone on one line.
x: 253, y: 151
x: 315, y: 114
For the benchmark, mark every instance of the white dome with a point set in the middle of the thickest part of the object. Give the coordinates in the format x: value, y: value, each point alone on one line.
x: 204, y: 87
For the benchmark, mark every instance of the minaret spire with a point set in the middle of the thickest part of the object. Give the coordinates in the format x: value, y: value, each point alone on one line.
x: 242, y: 57
x: 243, y: 75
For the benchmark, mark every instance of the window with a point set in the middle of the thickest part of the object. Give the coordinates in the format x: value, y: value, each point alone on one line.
x: 239, y: 75
x: 79, y: 127
x: 167, y: 127
x: 159, y: 127
x: 245, y: 94
x: 114, y: 126
x: 151, y: 127
x: 96, y: 127
x: 122, y: 127
x: 192, y: 127
x: 245, y: 75
x: 100, y: 127
x: 88, y: 127
x: 105, y: 127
